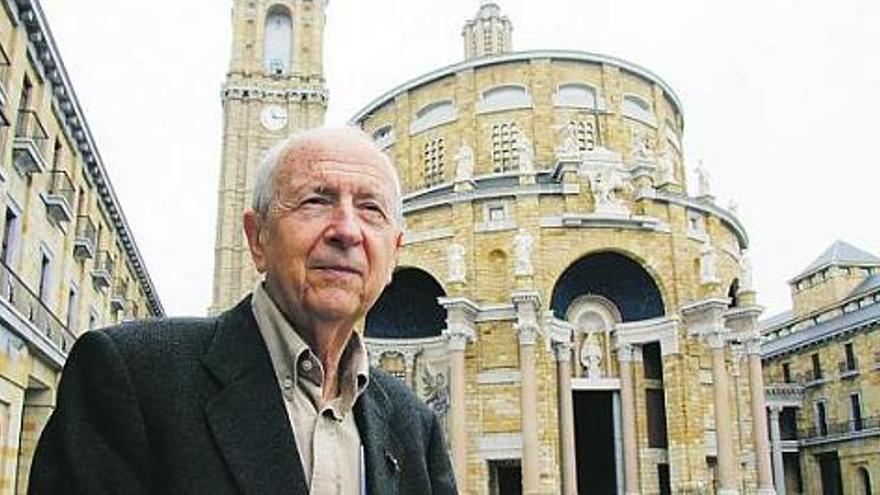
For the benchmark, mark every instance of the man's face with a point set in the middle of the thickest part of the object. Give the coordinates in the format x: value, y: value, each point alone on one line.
x: 328, y: 245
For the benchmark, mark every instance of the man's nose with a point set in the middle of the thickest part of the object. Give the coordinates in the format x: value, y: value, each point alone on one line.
x: 344, y: 229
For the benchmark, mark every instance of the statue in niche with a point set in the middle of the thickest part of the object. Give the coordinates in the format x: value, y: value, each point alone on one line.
x: 464, y: 162
x: 522, y: 253
x: 708, y: 262
x: 570, y: 147
x: 591, y: 356
x: 666, y: 166
x: 605, y: 184
x: 703, y: 179
x: 746, y: 279
x: 641, y: 144
x: 526, y: 154
x: 455, y: 260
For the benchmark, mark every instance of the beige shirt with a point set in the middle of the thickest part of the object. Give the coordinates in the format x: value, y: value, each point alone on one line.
x: 327, y: 437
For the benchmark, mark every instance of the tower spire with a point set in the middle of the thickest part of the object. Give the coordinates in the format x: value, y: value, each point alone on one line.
x: 488, y: 33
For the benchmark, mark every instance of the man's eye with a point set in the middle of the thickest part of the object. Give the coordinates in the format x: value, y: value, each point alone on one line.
x: 373, y: 209
x: 315, y: 201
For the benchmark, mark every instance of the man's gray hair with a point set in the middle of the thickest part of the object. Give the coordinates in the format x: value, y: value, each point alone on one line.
x: 266, y: 187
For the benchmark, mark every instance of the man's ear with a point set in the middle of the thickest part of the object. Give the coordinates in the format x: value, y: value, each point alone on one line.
x: 253, y: 229
x: 398, y: 243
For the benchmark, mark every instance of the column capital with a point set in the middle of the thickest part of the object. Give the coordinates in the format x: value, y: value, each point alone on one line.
x: 559, y: 332
x: 717, y: 339
x: 704, y: 315
x: 461, y: 316
x: 625, y: 352
x: 527, y: 327
x: 744, y: 318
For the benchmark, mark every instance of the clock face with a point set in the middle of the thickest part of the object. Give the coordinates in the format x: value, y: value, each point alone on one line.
x: 273, y: 117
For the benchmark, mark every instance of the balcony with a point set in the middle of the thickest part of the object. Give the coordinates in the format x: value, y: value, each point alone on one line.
x: 27, y: 303
x: 118, y: 296
x: 842, y: 431
x: 847, y: 370
x: 102, y: 273
x: 86, y: 238
x: 5, y: 69
x: 29, y: 146
x: 60, y: 196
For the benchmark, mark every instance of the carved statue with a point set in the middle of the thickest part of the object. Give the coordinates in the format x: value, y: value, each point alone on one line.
x: 455, y: 260
x: 708, y: 262
x: 746, y: 280
x: 464, y: 162
x: 703, y: 179
x: 526, y: 154
x: 570, y: 148
x: 522, y: 253
x: 605, y: 184
x: 641, y: 144
x: 591, y: 356
x: 666, y: 166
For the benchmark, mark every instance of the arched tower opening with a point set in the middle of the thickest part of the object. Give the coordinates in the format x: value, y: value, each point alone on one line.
x: 277, y: 40
x: 408, y: 307
x: 616, y: 278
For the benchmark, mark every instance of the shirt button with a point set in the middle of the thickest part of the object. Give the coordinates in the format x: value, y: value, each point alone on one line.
x: 287, y: 383
x: 307, y: 365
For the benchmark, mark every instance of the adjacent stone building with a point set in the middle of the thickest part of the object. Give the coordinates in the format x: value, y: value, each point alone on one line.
x: 822, y: 369
x: 575, y: 314
x: 68, y: 261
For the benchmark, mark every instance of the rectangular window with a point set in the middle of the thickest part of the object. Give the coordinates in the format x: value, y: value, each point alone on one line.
x: 11, y: 234
x: 653, y: 361
x: 786, y: 372
x: 856, y: 408
x: 72, y: 303
x: 93, y: 320
x: 664, y: 479
x: 850, y: 356
x: 45, y: 273
x: 656, y: 403
x: 817, y: 367
x: 821, y: 419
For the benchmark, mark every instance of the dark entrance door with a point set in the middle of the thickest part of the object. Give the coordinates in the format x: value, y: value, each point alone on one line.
x: 594, y: 442
x: 829, y: 465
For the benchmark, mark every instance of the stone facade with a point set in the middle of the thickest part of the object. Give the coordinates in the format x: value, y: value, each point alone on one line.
x: 822, y: 369
x: 68, y: 261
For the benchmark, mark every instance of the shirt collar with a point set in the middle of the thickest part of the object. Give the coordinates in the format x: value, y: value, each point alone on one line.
x: 287, y: 348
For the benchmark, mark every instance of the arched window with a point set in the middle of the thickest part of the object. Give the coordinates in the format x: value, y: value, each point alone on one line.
x: 578, y: 95
x: 433, y: 114
x: 277, y: 41
x: 865, y: 481
x: 504, y: 97
x: 637, y: 108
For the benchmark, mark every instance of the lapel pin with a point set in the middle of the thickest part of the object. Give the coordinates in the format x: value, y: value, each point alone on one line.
x: 393, y: 463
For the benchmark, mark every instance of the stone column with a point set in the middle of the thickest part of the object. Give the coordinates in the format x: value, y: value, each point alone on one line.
x: 759, y: 417
x: 560, y: 338
x: 744, y: 322
x: 526, y: 303
x: 776, y: 441
x: 727, y: 483
x: 460, y: 329
x: 705, y: 320
x: 628, y: 415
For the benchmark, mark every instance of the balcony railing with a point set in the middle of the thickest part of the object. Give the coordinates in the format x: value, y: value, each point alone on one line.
x: 29, y: 147
x: 17, y: 293
x: 118, y: 295
x: 842, y: 429
x: 847, y: 370
x: 102, y: 273
x: 5, y: 69
x: 60, y: 197
x: 86, y: 238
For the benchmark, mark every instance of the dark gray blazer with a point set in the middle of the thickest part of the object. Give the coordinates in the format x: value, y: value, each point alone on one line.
x: 193, y: 406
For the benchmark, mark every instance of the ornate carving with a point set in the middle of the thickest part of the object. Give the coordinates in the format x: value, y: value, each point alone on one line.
x: 522, y: 253
x: 526, y: 154
x: 464, y: 162
x: 456, y: 263
x: 591, y: 356
x: 605, y: 184
x: 666, y: 166
x: 708, y: 264
x: 436, y: 391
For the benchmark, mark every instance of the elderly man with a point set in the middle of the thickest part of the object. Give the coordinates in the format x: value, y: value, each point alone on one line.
x: 275, y: 395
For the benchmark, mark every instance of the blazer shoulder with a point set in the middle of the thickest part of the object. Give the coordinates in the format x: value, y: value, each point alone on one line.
x: 161, y: 335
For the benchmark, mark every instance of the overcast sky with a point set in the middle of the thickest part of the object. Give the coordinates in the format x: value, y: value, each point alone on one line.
x: 780, y: 101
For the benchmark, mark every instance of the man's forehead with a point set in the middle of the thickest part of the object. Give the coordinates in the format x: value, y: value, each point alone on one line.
x: 367, y: 169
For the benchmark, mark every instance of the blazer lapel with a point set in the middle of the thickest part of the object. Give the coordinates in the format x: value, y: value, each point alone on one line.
x: 247, y: 416
x: 382, y: 455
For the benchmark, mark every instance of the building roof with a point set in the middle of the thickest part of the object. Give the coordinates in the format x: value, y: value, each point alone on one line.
x: 840, y: 254
x: 776, y: 319
x: 867, y: 285
x: 867, y: 315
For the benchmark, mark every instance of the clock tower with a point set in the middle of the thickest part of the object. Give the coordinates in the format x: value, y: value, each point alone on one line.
x: 275, y: 86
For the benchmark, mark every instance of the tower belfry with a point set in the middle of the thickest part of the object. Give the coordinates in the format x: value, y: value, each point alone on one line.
x: 488, y: 33
x: 275, y: 86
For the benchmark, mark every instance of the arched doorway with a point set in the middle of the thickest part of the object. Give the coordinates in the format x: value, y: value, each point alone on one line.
x: 594, y: 294
x: 408, y: 308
